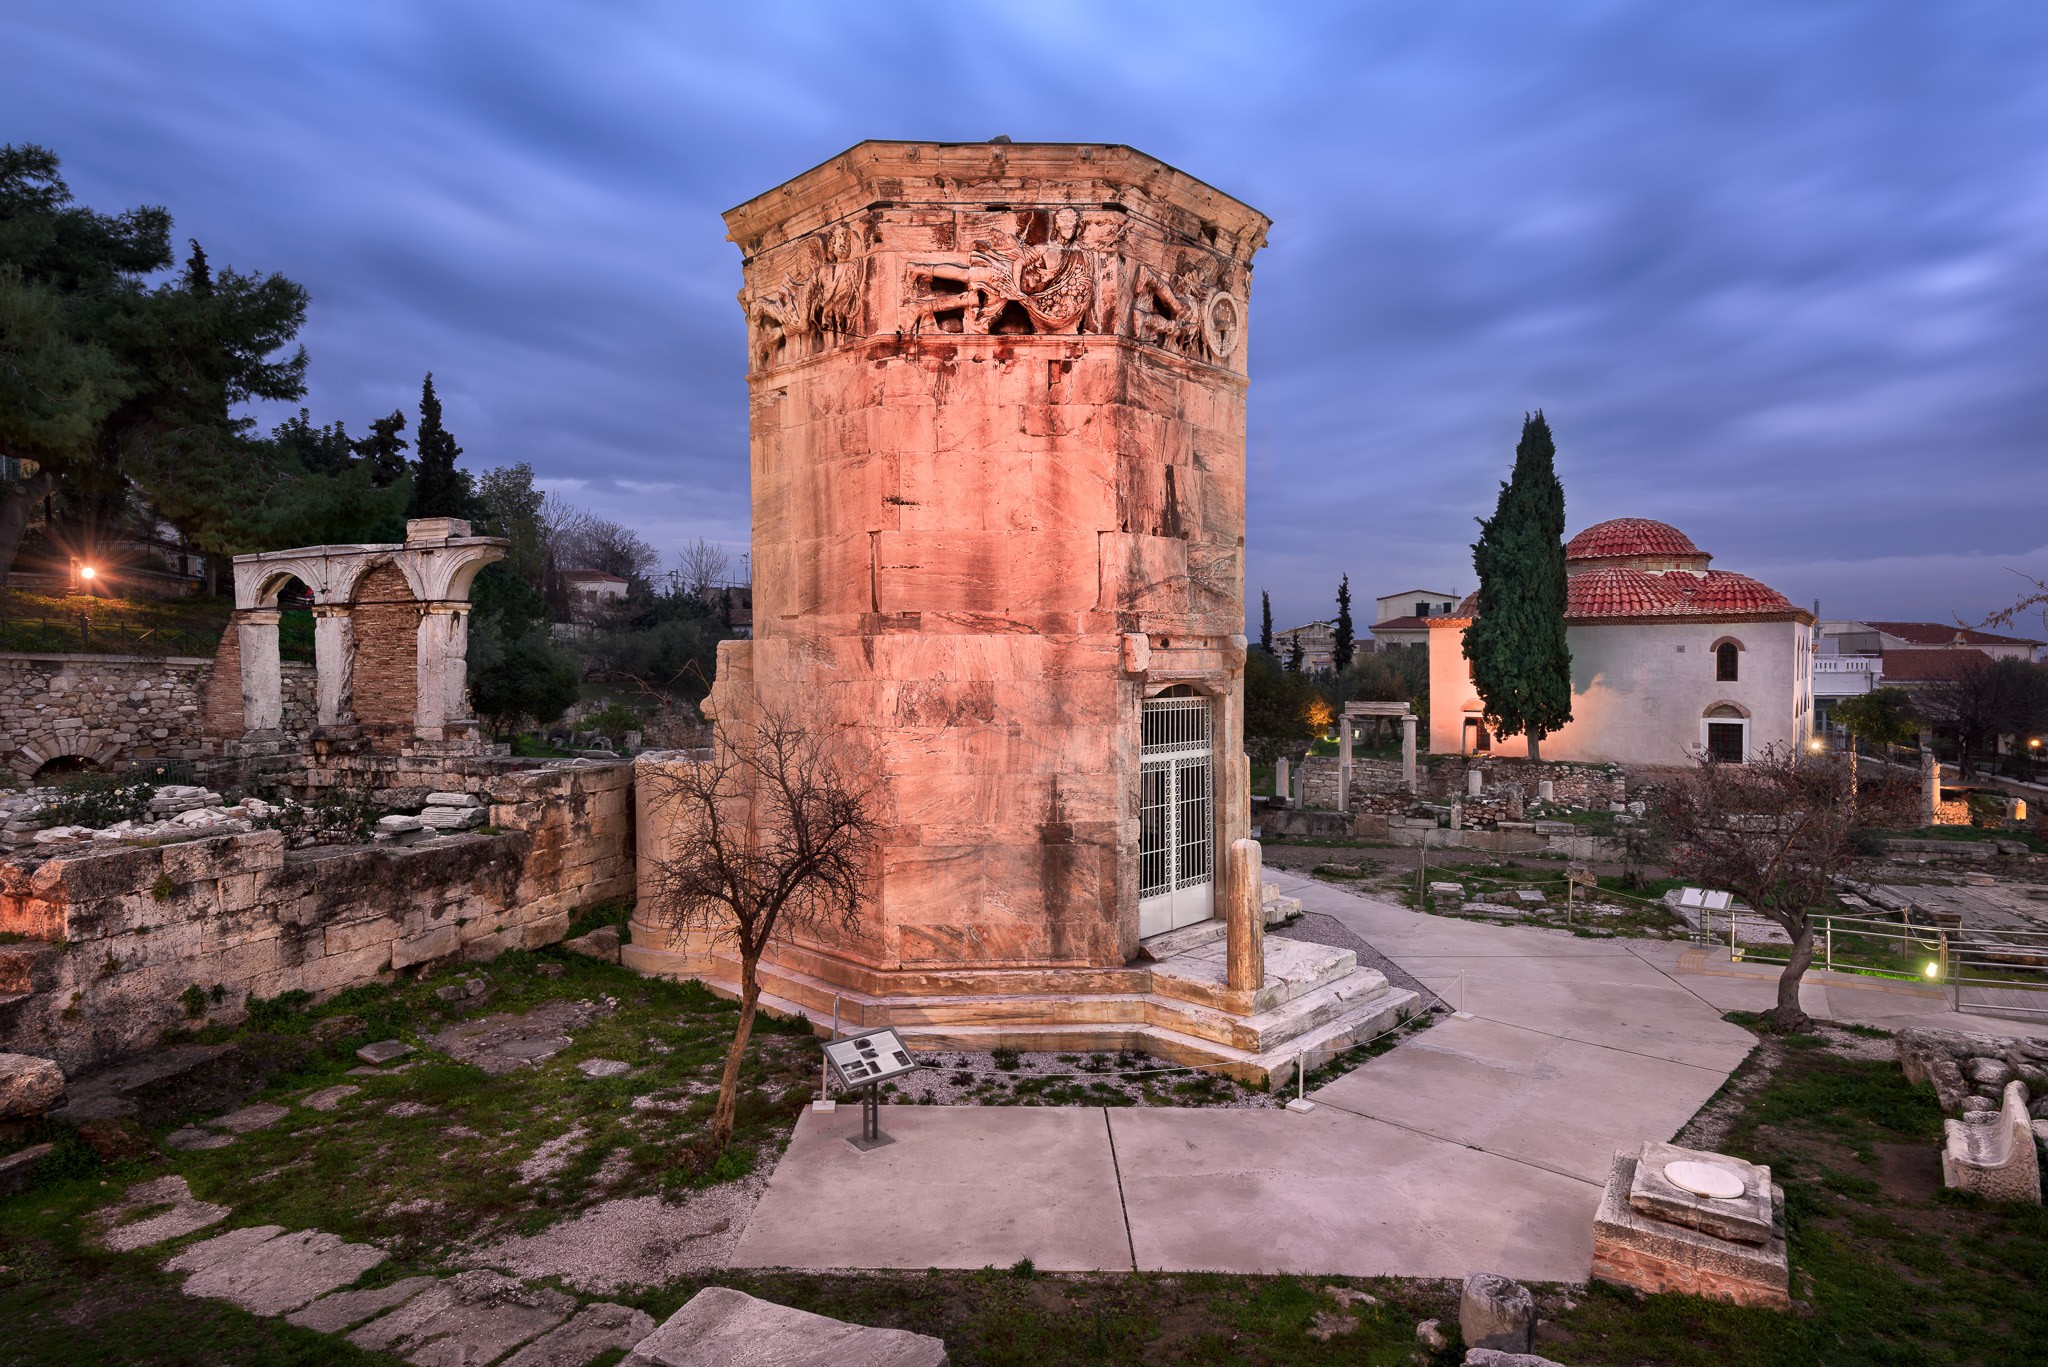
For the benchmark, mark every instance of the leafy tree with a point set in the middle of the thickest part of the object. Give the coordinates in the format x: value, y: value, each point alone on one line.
x: 1277, y: 705
x: 1778, y: 831
x: 519, y: 680
x: 1265, y: 622
x: 439, y: 488
x: 1341, y: 638
x: 509, y: 506
x: 1987, y: 699
x: 1521, y: 664
x: 1295, y: 656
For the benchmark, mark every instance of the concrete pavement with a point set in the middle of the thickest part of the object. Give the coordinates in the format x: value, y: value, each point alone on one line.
x: 1479, y: 1144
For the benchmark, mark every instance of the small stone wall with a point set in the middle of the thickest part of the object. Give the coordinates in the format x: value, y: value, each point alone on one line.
x: 115, y: 940
x: 1508, y: 786
x: 118, y: 711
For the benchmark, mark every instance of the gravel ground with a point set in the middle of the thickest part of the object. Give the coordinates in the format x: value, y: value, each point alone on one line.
x: 1008, y: 1078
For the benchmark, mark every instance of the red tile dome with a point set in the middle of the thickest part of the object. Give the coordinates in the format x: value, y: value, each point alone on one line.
x: 1720, y: 591
x: 1616, y: 591
x: 1631, y: 536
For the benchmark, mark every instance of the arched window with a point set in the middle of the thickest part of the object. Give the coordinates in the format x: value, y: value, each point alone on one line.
x: 1727, y: 662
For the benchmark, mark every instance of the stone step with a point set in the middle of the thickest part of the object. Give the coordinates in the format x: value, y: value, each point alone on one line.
x: 1169, y: 943
x: 1293, y: 969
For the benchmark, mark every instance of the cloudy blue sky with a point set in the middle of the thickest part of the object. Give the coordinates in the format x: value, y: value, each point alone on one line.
x: 1778, y: 272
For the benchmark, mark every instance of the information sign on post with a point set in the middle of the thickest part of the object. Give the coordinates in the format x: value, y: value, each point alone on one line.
x: 865, y: 1061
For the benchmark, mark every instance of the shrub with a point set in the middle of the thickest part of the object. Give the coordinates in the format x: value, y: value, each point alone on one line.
x: 336, y: 817
x: 98, y: 800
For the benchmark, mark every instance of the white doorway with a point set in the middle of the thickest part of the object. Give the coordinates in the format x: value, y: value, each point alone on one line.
x: 1176, y: 813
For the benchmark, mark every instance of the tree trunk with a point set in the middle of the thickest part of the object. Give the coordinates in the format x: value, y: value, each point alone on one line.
x: 1855, y: 794
x: 1535, y: 748
x: 1786, y: 1017
x: 729, y: 1084
x: 15, y: 506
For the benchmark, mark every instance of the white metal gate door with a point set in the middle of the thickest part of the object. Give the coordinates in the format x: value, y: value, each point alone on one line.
x: 1176, y: 844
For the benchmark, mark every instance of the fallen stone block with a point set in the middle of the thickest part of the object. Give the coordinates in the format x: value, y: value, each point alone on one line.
x: 260, y: 1116
x: 30, y: 1086
x: 602, y: 943
x: 1992, y: 1153
x: 398, y: 825
x: 114, y: 1138
x: 1494, y: 1357
x: 345, y: 1309
x: 720, y: 1327
x: 1496, y: 1312
x: 1745, y: 1218
x: 604, y: 1067
x: 18, y: 1167
x: 191, y: 1139
x: 451, y: 818
x: 453, y: 800
x: 596, y: 1328
x: 470, y: 1318
x: 273, y: 1275
x: 384, y: 1051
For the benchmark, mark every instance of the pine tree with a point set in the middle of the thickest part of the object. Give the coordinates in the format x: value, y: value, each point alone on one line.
x: 1521, y: 664
x: 1341, y: 637
x: 1265, y: 621
x: 439, y: 489
x: 384, y: 450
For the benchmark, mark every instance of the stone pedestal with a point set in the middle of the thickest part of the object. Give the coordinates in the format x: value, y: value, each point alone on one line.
x: 1654, y: 1236
x: 1281, y: 788
x: 1408, y: 753
x: 1344, y: 764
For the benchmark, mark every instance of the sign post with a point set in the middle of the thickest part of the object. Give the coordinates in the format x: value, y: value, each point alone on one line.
x: 864, y: 1062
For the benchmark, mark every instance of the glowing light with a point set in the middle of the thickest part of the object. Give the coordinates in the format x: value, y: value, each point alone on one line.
x: 1816, y: 745
x: 87, y: 572
x: 1933, y: 970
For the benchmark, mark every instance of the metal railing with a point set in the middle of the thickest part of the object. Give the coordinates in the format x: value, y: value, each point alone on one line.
x: 1994, y: 971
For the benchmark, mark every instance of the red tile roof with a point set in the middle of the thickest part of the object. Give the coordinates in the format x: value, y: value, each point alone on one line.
x: 1410, y: 623
x: 1930, y: 666
x: 1936, y: 634
x: 1629, y: 536
x: 1616, y: 591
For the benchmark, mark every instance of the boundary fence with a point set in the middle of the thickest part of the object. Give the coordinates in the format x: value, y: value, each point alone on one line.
x: 1990, y: 971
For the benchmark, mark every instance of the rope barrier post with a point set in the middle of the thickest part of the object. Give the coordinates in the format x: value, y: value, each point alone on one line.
x: 825, y: 1101
x: 1301, y: 1105
x: 1461, y: 1013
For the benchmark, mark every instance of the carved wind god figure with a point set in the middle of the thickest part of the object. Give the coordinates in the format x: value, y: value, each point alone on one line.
x: 1051, y: 284
x: 1193, y: 314
x: 816, y: 297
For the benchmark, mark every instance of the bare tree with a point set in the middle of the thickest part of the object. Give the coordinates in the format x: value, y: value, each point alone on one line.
x: 771, y: 835
x: 701, y: 567
x: 1778, y: 831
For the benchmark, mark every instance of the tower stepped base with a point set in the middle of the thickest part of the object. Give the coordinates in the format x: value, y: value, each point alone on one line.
x: 1316, y: 1003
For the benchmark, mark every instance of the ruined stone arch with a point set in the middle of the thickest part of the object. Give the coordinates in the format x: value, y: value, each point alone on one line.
x: 54, y: 745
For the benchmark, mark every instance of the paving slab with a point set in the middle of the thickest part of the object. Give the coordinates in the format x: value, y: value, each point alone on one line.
x: 1335, y: 1194
x: 961, y: 1186
x: 720, y: 1327
x: 328, y: 1098
x: 596, y: 1328
x: 185, y: 1216
x: 345, y: 1309
x: 383, y: 1051
x: 190, y: 1138
x: 260, y: 1116
x: 471, y: 1318
x: 276, y: 1275
x: 1556, y: 1103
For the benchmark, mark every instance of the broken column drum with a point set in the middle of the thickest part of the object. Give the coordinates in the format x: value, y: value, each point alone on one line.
x: 997, y: 445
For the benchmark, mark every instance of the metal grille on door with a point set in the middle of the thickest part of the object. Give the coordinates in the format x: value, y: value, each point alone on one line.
x: 1176, y: 819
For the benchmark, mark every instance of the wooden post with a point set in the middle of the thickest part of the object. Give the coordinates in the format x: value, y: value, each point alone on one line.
x: 1245, y: 917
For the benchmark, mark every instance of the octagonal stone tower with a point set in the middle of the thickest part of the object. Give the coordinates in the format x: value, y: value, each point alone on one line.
x: 998, y: 458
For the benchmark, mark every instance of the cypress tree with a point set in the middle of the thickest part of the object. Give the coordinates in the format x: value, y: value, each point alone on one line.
x: 1265, y: 621
x: 384, y: 449
x: 1521, y: 664
x: 1341, y: 637
x: 438, y: 489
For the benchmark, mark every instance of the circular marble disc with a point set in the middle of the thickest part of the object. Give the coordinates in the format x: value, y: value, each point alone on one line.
x: 1705, y: 1179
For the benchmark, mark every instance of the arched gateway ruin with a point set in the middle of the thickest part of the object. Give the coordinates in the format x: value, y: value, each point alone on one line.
x: 998, y: 457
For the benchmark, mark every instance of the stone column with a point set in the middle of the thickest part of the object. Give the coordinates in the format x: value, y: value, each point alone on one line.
x: 442, y: 671
x: 262, y: 685
x: 1344, y: 764
x: 1930, y: 787
x: 1245, y: 917
x: 1475, y: 782
x: 334, y: 663
x: 1408, y: 752
x: 1281, y: 788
